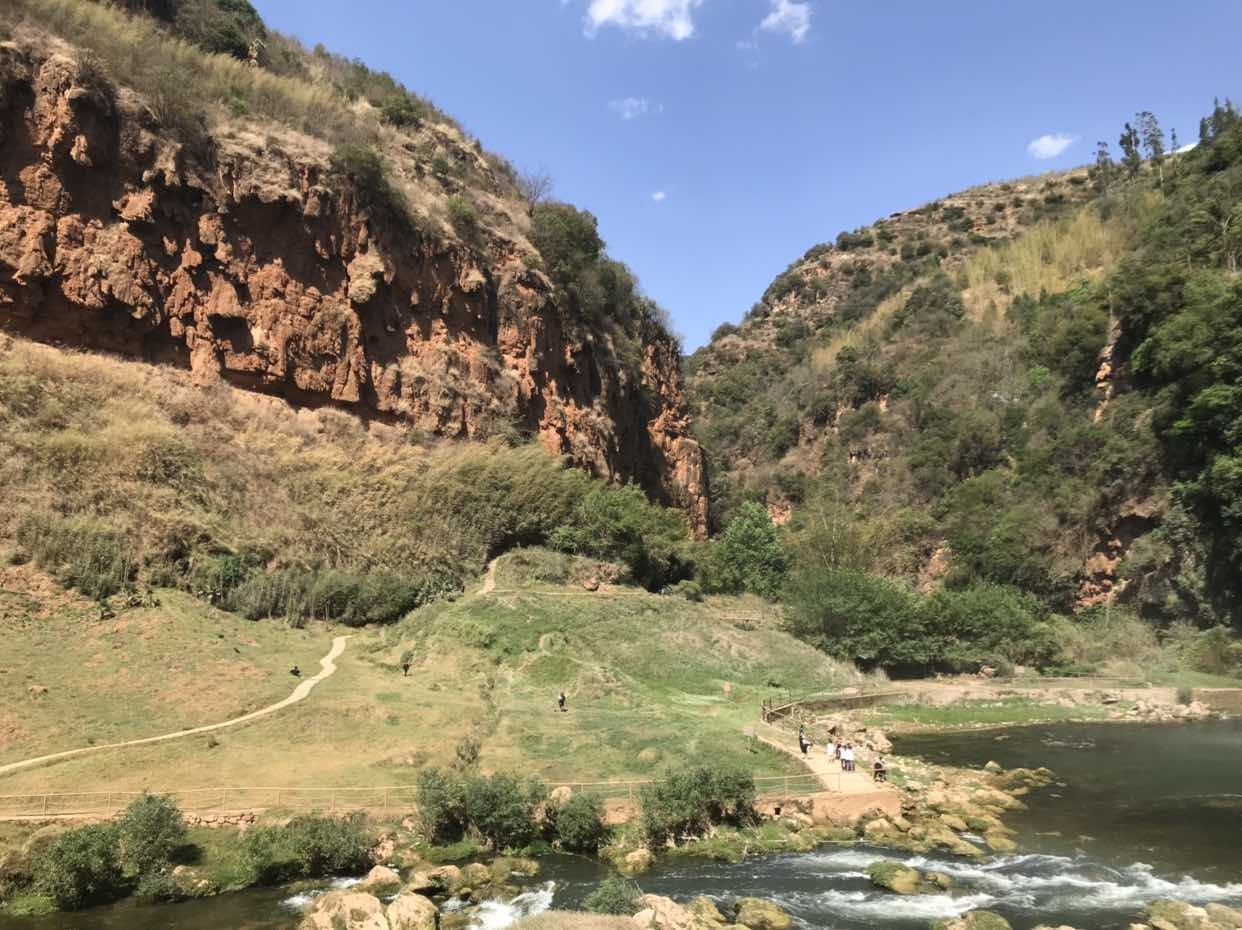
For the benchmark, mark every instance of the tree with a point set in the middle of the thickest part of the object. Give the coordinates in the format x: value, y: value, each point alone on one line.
x: 535, y: 187
x: 1131, y: 160
x: 1153, y: 140
x: 1105, y: 169
x: 749, y: 556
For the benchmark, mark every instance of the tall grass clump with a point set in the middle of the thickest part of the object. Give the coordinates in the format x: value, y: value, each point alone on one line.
x: 81, y: 553
x: 136, y: 52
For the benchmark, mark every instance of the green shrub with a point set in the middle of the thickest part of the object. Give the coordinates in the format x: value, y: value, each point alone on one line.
x: 503, y: 808
x: 691, y: 802
x: 366, y: 170
x: 219, y: 27
x: 403, y: 110
x: 441, y: 801
x: 580, y: 823
x: 614, y: 895
x: 81, y: 867
x: 325, y: 846
x: 1185, y: 695
x: 463, y: 216
x: 309, y: 846
x: 149, y: 831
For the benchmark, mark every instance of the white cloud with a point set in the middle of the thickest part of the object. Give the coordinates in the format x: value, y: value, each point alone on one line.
x: 659, y: 196
x: 635, y: 107
x: 1050, y: 145
x: 672, y: 19
x: 791, y: 17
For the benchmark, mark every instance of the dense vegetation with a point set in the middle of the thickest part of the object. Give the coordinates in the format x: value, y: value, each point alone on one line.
x: 138, y: 852
x: 957, y: 476
x: 121, y: 478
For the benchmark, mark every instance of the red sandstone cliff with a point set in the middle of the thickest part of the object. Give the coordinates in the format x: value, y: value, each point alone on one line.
x: 267, y: 270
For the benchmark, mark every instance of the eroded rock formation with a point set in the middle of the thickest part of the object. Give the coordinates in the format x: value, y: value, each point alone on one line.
x: 267, y: 270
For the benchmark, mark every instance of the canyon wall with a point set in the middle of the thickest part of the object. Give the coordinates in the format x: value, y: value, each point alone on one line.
x: 250, y: 259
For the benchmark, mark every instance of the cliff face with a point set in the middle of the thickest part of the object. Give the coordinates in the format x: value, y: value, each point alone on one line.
x: 261, y: 266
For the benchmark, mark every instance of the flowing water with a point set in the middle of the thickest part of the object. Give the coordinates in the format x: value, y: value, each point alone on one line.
x: 1138, y: 813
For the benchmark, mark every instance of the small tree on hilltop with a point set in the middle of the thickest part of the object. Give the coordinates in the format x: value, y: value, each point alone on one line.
x: 535, y: 187
x: 1131, y: 160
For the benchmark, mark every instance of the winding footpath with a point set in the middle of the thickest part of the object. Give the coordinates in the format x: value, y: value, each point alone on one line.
x: 300, y: 693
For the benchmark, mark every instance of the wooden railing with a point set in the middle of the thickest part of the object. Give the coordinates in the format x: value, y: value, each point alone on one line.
x: 391, y: 800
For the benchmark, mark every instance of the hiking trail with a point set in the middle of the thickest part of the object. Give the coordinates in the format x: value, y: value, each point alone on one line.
x: 300, y: 693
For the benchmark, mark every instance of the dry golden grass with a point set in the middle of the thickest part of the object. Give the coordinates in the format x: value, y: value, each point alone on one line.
x: 1050, y: 257
x: 823, y: 357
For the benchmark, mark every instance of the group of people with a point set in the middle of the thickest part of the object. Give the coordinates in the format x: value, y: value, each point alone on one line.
x: 845, y: 754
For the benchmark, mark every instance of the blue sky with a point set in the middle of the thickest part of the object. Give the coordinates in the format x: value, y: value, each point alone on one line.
x: 717, y: 140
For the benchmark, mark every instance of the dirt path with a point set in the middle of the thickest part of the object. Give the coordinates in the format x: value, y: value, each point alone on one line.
x: 300, y: 693
x: 828, y: 771
x: 489, y: 579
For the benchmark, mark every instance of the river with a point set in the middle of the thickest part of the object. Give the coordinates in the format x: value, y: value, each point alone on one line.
x: 1138, y: 813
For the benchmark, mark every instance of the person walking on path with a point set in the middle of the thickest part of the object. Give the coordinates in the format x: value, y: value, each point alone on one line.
x: 560, y: 701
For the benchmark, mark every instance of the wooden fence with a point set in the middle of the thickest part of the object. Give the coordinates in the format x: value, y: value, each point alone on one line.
x: 391, y: 800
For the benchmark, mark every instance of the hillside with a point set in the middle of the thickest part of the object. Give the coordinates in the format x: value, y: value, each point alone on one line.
x: 196, y: 191
x: 653, y: 682
x: 1030, y: 384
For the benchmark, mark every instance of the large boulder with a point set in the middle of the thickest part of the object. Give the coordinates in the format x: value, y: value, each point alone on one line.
x: 1228, y: 917
x: 1178, y: 915
x: 637, y: 862
x: 656, y: 912
x: 975, y: 920
x: 412, y: 912
x: 704, y: 910
x: 444, y: 880
x: 758, y: 914
x: 345, y: 910
x: 897, y: 878
x: 381, y: 880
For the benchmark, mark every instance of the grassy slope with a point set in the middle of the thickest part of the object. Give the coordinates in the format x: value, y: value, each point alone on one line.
x: 642, y: 672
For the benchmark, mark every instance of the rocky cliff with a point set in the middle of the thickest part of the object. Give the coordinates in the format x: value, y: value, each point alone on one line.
x: 252, y: 260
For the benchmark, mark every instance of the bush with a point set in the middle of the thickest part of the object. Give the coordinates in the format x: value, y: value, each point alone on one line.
x: 580, y: 824
x: 323, y: 846
x: 503, y: 808
x: 463, y: 216
x: 691, y: 802
x: 149, y: 832
x: 403, y: 110
x: 1185, y: 695
x: 614, y: 895
x: 364, y: 167
x: 441, y: 806
x: 81, y: 867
